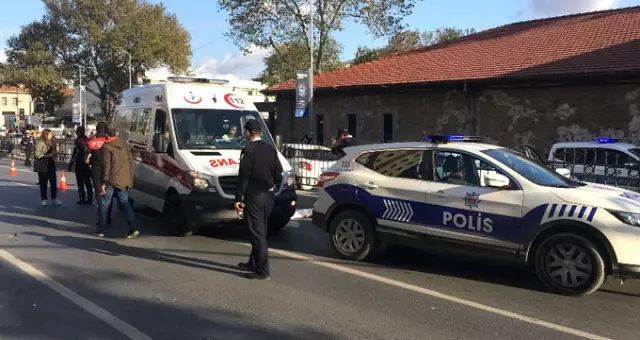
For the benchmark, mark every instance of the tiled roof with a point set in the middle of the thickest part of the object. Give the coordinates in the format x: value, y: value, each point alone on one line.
x: 11, y: 89
x: 68, y: 92
x: 595, y: 42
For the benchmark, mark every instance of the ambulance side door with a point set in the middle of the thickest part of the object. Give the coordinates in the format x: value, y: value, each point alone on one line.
x: 465, y: 208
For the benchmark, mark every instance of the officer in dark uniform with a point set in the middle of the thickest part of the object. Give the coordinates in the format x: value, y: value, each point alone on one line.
x: 83, y: 171
x: 260, y: 168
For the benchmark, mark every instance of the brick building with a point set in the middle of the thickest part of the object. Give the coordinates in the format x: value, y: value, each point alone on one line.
x: 536, y: 82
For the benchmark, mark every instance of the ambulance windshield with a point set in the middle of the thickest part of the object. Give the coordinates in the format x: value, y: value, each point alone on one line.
x: 214, y: 129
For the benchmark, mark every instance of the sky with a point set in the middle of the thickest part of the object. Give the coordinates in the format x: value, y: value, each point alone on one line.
x: 214, y: 56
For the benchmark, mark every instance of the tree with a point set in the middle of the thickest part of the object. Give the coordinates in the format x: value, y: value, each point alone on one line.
x: 445, y: 34
x: 94, y: 34
x: 281, y: 67
x: 410, y: 40
x: 273, y: 24
x: 31, y: 65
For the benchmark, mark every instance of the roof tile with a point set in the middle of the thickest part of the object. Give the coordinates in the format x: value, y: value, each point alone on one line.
x: 605, y: 41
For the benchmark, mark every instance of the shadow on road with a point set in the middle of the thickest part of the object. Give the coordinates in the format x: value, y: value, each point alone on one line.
x: 108, y: 247
x: 158, y: 317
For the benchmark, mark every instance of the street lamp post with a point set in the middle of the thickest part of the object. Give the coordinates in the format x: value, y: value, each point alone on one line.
x: 312, y: 119
x: 82, y: 110
x: 129, y: 55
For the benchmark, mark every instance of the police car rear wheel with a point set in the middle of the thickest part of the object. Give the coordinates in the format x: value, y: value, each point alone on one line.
x: 352, y: 235
x: 569, y: 264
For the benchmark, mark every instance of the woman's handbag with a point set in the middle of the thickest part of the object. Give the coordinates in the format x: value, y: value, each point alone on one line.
x: 41, y: 165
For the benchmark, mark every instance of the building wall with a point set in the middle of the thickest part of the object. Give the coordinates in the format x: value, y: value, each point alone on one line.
x: 535, y: 117
x: 8, y: 107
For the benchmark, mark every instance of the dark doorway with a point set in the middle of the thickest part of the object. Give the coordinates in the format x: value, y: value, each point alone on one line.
x: 351, y: 124
x: 387, y: 128
x: 320, y: 129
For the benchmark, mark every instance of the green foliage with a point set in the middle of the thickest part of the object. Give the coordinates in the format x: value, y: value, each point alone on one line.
x: 410, y: 40
x: 92, y: 34
x: 281, y: 66
x: 274, y: 24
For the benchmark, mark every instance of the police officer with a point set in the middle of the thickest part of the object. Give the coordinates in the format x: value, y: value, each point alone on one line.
x: 260, y: 168
x: 83, y: 171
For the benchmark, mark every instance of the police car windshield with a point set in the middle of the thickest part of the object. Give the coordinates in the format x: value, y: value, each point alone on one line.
x: 536, y: 173
x: 214, y: 129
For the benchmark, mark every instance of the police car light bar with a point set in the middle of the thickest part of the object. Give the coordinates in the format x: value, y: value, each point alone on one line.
x: 605, y: 140
x: 452, y: 138
x: 198, y: 80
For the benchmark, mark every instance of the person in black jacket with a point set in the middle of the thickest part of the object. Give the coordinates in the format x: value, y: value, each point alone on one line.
x: 260, y: 168
x: 28, y: 142
x: 82, y: 170
x: 93, y: 158
x: 345, y: 140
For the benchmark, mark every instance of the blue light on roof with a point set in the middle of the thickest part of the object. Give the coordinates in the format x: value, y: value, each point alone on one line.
x: 605, y: 140
x: 446, y: 138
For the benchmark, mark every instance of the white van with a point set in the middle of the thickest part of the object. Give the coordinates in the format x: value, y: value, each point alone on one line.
x: 186, y: 136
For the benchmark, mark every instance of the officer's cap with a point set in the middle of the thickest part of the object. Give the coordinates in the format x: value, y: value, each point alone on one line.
x: 253, y: 126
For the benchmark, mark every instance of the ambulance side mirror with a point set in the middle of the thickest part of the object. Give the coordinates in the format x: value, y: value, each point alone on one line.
x: 495, y: 180
x: 158, y: 143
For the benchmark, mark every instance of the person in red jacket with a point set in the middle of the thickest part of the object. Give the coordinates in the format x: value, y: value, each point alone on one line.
x: 94, y: 161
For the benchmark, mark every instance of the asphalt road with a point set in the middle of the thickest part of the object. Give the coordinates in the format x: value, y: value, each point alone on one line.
x: 60, y: 282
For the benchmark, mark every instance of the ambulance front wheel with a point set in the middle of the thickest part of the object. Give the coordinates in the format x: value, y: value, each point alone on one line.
x: 570, y: 264
x: 353, y: 237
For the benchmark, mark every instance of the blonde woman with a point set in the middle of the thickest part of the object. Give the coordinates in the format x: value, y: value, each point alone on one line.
x: 45, y: 166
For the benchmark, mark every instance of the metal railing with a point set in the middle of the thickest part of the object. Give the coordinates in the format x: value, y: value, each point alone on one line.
x: 308, y: 162
x: 599, y: 166
x: 13, y: 146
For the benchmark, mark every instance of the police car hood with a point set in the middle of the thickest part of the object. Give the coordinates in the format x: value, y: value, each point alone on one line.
x: 218, y: 162
x: 602, y: 196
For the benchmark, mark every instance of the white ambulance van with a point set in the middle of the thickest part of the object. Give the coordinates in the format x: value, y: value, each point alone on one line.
x: 186, y: 136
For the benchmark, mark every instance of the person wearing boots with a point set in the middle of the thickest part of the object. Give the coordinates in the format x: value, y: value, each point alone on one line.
x: 82, y: 170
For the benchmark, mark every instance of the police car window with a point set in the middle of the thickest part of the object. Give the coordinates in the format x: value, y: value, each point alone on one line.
x: 536, y: 173
x: 460, y: 168
x: 395, y: 163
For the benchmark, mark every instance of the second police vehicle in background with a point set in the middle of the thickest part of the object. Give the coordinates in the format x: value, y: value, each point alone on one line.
x: 456, y: 194
x: 186, y: 138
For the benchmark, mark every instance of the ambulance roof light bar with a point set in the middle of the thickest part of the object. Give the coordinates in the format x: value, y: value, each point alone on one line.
x: 186, y: 80
x: 452, y: 138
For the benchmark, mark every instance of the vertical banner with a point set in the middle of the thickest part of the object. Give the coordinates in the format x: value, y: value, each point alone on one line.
x: 75, y: 115
x: 302, y: 92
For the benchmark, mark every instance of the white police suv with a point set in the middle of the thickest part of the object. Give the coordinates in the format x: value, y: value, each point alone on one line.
x: 454, y: 193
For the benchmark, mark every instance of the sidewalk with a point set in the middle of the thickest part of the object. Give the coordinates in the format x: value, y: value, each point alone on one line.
x: 20, y: 158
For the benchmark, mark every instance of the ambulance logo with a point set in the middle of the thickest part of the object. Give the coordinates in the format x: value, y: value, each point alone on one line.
x: 192, y: 98
x: 472, y: 200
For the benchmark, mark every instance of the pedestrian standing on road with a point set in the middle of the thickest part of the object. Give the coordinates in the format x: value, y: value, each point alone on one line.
x: 343, y: 141
x: 260, y: 168
x: 83, y: 173
x: 28, y: 143
x: 45, y: 166
x: 116, y: 180
x: 93, y: 160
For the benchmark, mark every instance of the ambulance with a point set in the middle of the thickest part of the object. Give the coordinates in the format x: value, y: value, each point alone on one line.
x: 186, y: 136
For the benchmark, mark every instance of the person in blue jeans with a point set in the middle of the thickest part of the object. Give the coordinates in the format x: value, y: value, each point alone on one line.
x: 116, y: 180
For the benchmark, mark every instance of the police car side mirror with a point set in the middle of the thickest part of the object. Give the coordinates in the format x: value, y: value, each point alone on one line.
x: 564, y: 172
x: 496, y: 180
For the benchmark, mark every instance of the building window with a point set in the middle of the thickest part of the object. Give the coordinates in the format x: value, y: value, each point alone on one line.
x: 352, y: 124
x: 387, y: 128
x: 320, y: 129
x: 4, y: 101
x: 250, y: 92
x: 14, y: 101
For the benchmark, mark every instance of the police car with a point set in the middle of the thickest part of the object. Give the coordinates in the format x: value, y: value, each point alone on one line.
x: 453, y: 193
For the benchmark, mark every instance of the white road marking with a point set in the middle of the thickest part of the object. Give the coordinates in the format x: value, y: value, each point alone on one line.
x: 97, y: 311
x: 436, y: 294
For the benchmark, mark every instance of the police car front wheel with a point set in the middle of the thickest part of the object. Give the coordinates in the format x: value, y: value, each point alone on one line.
x: 352, y: 236
x: 570, y: 264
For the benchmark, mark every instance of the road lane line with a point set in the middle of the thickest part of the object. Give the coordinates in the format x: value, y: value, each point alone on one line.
x: 97, y: 311
x: 436, y: 294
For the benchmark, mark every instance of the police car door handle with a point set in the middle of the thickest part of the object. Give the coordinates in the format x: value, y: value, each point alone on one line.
x: 369, y: 185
